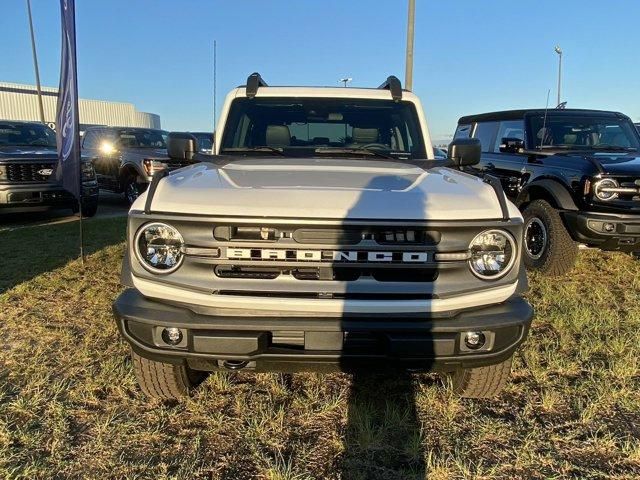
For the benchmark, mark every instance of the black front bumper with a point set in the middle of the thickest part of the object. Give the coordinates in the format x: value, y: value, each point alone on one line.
x: 321, y: 344
x: 33, y: 197
x: 612, y: 232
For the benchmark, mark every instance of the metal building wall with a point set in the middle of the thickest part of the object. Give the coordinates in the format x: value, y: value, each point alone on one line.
x: 20, y: 102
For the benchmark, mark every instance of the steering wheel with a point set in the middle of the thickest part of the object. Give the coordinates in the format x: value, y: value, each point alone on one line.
x: 376, y: 145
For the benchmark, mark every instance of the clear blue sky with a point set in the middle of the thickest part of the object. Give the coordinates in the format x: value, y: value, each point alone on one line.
x: 470, y: 56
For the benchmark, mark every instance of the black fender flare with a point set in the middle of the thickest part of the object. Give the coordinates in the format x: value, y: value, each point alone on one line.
x: 128, y: 166
x: 556, y: 190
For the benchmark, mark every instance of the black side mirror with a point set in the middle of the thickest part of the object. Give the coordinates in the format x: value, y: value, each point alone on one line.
x: 511, y: 145
x: 181, y: 146
x: 465, y: 151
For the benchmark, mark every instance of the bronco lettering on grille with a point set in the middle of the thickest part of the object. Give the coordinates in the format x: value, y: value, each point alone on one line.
x: 345, y: 256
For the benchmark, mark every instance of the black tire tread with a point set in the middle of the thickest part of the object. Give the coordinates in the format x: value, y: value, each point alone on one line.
x: 562, y: 251
x: 162, y: 381
x: 482, y: 382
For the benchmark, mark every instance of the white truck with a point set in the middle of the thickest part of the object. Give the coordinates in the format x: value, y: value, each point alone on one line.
x: 322, y: 235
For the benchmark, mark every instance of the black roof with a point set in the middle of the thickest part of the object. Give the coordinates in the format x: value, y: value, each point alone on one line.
x: 518, y: 114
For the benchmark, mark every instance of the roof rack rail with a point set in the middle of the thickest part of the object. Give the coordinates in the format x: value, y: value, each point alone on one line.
x: 254, y: 81
x: 393, y: 84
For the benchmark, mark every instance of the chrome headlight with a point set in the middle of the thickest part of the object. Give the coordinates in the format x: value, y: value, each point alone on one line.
x: 600, y: 189
x: 159, y: 247
x: 493, y: 253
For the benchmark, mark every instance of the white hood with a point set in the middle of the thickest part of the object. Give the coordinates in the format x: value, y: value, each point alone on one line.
x: 325, y: 189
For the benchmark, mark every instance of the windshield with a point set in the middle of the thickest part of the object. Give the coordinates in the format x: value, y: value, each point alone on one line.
x: 583, y: 132
x: 141, y: 138
x: 316, y: 126
x: 26, y: 134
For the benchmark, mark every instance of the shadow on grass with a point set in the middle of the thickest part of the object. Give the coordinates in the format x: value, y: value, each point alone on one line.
x: 384, y: 433
x: 30, y: 251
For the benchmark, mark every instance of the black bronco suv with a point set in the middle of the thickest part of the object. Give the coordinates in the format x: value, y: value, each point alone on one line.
x: 28, y: 159
x: 125, y: 158
x: 575, y: 175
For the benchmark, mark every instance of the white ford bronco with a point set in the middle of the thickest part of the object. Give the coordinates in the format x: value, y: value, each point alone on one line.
x: 322, y: 235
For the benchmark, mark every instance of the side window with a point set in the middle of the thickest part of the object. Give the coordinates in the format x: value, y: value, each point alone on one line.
x: 486, y: 133
x: 89, y: 140
x: 509, y: 129
x: 463, y: 131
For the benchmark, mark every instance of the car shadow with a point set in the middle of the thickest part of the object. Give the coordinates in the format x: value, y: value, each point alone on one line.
x: 384, y: 435
x: 34, y: 250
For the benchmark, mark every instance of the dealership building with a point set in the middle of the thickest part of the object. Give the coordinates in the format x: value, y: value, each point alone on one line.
x: 20, y: 102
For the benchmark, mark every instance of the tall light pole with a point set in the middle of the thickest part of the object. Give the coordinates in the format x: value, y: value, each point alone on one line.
x: 558, y: 50
x: 35, y: 63
x: 346, y: 80
x: 408, y: 75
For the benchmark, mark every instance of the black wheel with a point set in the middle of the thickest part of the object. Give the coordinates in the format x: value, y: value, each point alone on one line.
x: 482, y: 382
x: 548, y: 247
x: 89, y: 209
x: 131, y: 189
x: 164, y: 381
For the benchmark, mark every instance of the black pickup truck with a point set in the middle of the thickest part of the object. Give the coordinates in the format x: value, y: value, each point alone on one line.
x: 28, y: 160
x: 575, y: 175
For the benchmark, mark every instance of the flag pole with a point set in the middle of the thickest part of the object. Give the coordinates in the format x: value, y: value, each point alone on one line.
x: 69, y: 168
x: 77, y: 137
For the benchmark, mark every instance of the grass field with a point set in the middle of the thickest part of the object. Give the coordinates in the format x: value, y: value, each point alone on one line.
x: 69, y: 406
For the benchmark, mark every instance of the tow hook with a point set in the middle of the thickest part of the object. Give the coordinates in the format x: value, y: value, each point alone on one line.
x: 234, y: 364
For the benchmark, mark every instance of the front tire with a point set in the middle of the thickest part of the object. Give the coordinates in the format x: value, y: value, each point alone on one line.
x: 548, y: 247
x: 131, y: 190
x: 165, y: 381
x: 482, y: 382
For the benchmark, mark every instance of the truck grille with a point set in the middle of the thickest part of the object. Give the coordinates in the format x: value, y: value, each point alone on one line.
x: 29, y: 172
x: 327, y: 254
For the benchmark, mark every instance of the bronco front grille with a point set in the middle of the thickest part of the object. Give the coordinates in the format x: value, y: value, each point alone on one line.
x: 30, y: 172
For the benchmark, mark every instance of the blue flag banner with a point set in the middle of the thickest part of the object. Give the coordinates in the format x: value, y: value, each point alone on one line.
x: 67, y: 122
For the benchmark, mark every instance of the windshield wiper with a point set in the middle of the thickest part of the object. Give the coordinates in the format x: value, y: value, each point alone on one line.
x: 617, y: 148
x: 356, y: 150
x: 262, y: 148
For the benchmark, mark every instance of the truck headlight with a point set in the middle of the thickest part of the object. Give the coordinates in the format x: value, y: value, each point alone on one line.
x: 3, y: 172
x: 153, y: 166
x: 159, y: 247
x: 601, y: 187
x: 493, y: 253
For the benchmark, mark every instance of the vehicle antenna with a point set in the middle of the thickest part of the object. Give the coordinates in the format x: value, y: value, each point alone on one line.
x: 544, y: 122
x: 214, y: 97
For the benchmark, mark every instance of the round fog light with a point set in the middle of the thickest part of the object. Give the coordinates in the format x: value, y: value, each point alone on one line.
x: 474, y: 340
x: 609, y: 227
x: 172, y: 336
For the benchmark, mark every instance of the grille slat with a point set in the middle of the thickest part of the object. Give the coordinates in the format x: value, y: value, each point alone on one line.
x: 28, y: 172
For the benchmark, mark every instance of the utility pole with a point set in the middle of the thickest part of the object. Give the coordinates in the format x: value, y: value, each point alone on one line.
x: 408, y: 76
x: 35, y: 63
x: 558, y: 50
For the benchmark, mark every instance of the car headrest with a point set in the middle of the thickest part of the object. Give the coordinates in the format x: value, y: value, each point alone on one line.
x: 278, y: 136
x: 365, y: 135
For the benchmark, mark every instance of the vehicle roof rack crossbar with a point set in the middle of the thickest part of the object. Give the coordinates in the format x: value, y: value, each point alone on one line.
x: 254, y: 81
x: 393, y: 84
